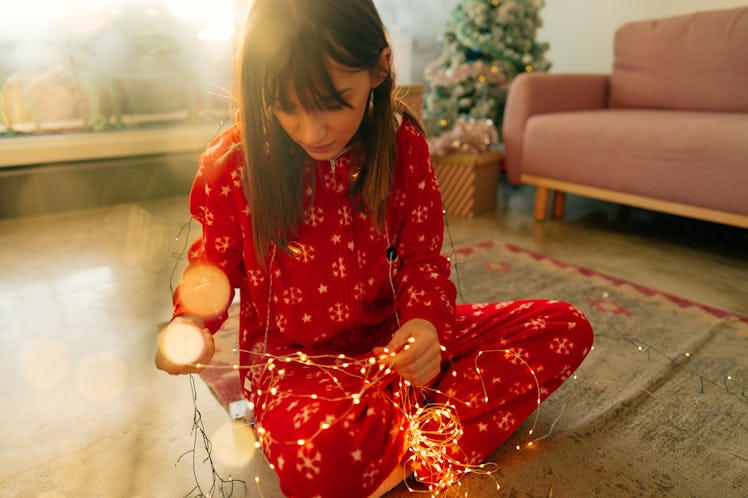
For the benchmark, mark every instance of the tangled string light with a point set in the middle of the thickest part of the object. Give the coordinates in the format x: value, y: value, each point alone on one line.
x: 219, y: 486
x: 432, y: 430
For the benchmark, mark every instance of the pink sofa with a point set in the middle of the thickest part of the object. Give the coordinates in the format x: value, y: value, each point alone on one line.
x: 666, y: 131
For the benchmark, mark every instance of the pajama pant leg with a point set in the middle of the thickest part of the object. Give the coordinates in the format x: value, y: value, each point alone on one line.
x: 320, y: 443
x: 494, y: 347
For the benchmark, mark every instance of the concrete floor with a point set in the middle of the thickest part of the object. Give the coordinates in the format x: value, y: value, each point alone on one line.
x: 81, y: 296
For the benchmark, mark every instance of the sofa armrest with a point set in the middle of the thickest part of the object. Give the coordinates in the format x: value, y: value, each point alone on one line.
x: 542, y: 93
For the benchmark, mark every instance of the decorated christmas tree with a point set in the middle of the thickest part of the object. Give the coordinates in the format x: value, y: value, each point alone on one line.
x: 487, y: 44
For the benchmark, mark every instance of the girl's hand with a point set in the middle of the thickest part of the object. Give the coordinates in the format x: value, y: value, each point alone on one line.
x: 185, y: 346
x: 414, y: 352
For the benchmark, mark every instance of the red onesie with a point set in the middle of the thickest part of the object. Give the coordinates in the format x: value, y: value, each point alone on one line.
x: 341, y: 290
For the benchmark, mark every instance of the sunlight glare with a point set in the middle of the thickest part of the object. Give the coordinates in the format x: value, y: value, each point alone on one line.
x: 234, y: 444
x: 217, y: 32
x: 35, y: 17
x: 202, y: 10
x: 101, y: 377
x: 45, y: 362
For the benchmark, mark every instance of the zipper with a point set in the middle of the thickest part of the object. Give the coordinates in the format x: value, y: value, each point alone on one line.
x: 332, y: 164
x: 334, y: 176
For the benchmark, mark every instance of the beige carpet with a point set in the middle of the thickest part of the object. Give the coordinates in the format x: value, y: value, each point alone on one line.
x: 659, y: 408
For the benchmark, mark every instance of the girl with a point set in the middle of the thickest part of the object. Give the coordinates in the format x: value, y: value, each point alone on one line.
x: 320, y: 205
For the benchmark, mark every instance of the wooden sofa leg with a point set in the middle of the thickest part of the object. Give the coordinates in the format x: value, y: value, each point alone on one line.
x: 541, y: 203
x: 559, y: 198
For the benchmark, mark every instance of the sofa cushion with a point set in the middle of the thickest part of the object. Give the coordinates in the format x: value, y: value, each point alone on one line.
x: 697, y: 61
x: 691, y: 157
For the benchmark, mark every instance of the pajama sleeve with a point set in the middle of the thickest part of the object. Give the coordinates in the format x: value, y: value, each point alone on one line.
x: 215, y: 201
x: 424, y: 289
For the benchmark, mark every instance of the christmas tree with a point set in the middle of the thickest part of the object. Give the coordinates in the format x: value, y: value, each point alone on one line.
x: 487, y: 44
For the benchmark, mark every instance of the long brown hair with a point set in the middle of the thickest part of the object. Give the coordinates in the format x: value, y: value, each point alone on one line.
x: 285, y: 45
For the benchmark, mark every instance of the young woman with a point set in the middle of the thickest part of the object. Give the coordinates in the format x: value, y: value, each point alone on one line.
x: 321, y: 206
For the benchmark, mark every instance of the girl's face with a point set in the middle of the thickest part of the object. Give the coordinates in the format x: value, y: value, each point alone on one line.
x: 323, y: 134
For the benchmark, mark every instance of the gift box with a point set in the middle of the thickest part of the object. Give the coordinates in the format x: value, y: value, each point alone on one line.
x: 469, y: 184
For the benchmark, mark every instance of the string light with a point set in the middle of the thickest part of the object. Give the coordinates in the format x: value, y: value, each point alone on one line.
x: 219, y: 486
x: 679, y: 362
x: 432, y: 430
x: 179, y: 256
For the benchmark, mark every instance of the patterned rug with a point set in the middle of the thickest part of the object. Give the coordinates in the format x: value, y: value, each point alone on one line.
x: 659, y: 407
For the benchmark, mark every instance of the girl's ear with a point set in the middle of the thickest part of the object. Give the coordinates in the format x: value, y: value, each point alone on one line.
x: 383, y: 67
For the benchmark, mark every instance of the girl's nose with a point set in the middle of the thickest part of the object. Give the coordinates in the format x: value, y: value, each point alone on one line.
x: 312, y: 129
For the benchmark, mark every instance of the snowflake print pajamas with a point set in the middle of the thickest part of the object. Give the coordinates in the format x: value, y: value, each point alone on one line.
x: 337, y: 293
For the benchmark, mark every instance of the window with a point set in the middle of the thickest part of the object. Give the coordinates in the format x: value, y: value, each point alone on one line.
x: 110, y: 65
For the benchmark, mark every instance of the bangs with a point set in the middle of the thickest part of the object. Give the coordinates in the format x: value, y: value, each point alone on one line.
x: 303, y: 67
x: 293, y: 42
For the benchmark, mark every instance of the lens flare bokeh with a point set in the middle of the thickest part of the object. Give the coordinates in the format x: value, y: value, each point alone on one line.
x: 183, y: 343
x: 45, y: 362
x: 234, y: 444
x: 101, y: 377
x: 204, y: 291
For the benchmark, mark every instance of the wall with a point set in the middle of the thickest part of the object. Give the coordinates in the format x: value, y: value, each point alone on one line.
x: 415, y: 28
x: 580, y: 32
